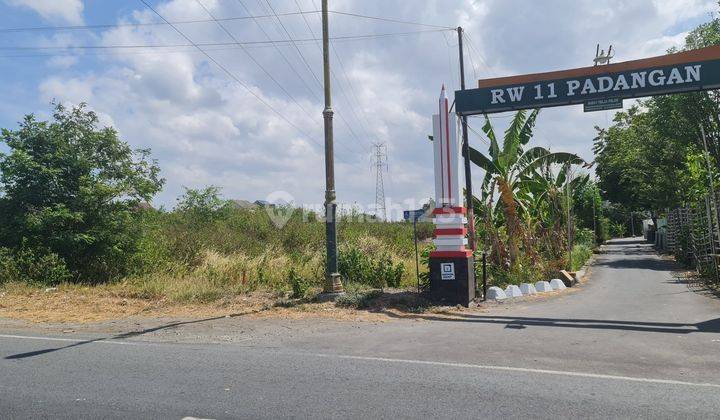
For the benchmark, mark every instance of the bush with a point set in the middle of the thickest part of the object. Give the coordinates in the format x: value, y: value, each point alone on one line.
x: 585, y: 237
x: 298, y: 285
x: 617, y: 230
x: 72, y: 191
x: 359, y: 267
x: 27, y: 265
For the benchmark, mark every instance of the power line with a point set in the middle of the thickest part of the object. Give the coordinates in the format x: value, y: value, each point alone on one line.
x: 141, y: 24
x: 310, y: 70
x: 183, y: 22
x: 232, y: 76
x: 267, y: 73
x: 290, y: 37
x: 289, y: 63
x: 282, y: 54
x: 404, y: 22
x: 267, y: 43
x: 362, y: 125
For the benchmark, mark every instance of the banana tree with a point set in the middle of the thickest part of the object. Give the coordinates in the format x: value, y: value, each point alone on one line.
x: 506, y: 168
x: 548, y: 194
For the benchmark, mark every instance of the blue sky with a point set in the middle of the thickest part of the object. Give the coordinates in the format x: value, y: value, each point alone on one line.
x: 206, y: 128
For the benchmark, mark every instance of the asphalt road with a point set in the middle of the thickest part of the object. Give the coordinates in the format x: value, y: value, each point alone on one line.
x: 633, y: 342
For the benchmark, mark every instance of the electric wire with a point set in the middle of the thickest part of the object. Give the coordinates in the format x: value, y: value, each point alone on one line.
x: 254, y: 60
x: 235, y: 18
x: 404, y: 22
x: 361, y: 123
x: 234, y: 77
x: 140, y: 24
x: 282, y: 54
x: 267, y: 43
x: 310, y: 70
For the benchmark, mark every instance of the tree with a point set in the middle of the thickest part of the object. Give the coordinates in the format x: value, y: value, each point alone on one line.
x: 506, y: 169
x: 73, y: 190
x: 648, y: 159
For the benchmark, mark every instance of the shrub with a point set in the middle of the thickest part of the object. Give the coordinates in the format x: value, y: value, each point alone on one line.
x: 585, y: 237
x: 617, y: 230
x: 29, y: 266
x: 71, y: 194
x: 359, y: 267
x: 298, y: 285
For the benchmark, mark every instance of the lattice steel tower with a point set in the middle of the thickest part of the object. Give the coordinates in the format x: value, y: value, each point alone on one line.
x: 380, y: 161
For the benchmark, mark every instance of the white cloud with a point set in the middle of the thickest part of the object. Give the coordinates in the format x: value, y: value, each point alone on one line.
x: 207, y: 129
x: 69, y: 11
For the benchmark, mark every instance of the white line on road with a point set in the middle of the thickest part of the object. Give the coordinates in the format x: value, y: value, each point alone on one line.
x: 514, y: 369
x: 415, y: 362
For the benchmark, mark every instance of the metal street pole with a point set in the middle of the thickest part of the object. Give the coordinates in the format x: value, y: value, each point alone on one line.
x: 332, y: 277
x: 466, y: 151
x: 417, y: 255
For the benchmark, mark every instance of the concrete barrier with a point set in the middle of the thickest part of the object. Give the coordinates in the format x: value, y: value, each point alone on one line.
x: 496, y: 293
x: 513, y: 291
x: 527, y: 289
x: 557, y: 284
x: 543, y: 287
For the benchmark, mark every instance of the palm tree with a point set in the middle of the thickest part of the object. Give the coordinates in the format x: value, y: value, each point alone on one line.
x: 508, y: 168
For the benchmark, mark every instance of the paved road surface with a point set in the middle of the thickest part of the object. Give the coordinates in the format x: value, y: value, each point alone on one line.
x: 634, y: 342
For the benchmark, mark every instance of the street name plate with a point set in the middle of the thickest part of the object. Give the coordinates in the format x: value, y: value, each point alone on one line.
x: 603, y: 104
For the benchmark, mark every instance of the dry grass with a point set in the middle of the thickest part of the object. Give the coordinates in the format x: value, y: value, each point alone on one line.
x: 71, y: 304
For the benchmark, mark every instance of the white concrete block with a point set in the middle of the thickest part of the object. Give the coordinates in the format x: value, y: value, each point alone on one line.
x: 496, y: 293
x: 543, y: 287
x: 513, y: 291
x: 557, y: 284
x: 527, y: 289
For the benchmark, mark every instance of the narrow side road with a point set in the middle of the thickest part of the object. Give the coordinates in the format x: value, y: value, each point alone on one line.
x: 632, y: 342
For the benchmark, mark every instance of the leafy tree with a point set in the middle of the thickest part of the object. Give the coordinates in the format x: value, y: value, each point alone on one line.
x: 73, y: 190
x: 650, y: 159
x: 507, y: 168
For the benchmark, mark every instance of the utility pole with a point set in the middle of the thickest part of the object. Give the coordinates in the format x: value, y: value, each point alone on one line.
x: 569, y: 218
x: 380, y: 161
x: 595, y: 222
x: 333, y: 284
x: 466, y: 151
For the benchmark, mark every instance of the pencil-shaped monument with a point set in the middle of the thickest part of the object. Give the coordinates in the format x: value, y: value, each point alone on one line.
x: 452, y: 278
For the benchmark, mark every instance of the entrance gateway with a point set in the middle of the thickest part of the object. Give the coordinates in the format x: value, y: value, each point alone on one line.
x: 452, y: 278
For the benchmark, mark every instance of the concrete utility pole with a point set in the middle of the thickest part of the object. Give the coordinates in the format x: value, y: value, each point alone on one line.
x: 466, y: 152
x: 333, y: 283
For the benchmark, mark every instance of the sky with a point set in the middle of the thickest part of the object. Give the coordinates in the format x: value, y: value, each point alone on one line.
x: 249, y: 118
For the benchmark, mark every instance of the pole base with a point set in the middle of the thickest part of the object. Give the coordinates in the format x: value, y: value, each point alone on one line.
x: 452, y: 280
x: 333, y: 284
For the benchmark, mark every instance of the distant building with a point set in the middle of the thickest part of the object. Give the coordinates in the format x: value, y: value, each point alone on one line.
x: 243, y: 204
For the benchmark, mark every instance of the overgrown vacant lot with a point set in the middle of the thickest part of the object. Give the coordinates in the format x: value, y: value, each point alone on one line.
x: 208, y: 256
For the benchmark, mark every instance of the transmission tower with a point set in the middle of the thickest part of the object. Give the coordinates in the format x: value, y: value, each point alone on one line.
x: 380, y: 162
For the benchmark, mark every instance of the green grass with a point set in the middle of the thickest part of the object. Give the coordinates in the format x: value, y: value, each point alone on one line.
x: 580, y: 255
x: 190, y: 259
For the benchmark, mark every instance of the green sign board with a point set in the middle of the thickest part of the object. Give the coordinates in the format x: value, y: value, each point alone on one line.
x: 693, y: 70
x: 602, y: 104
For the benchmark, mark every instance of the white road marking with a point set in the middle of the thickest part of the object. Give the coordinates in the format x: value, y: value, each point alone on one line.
x: 515, y: 369
x: 416, y: 362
